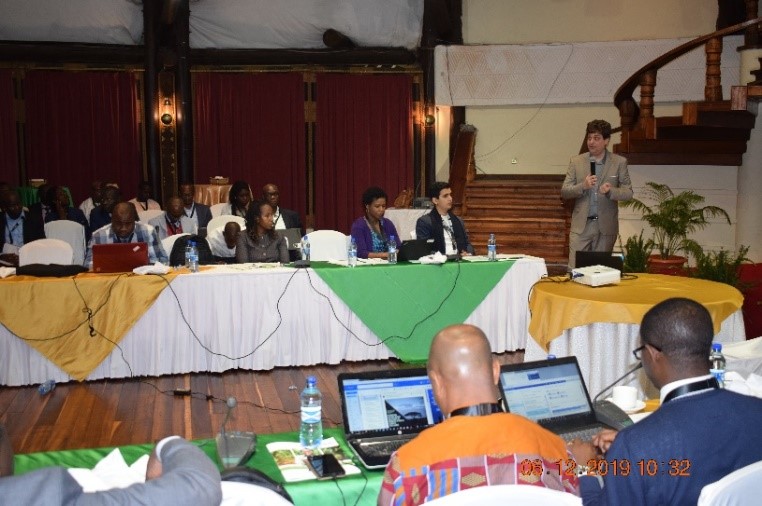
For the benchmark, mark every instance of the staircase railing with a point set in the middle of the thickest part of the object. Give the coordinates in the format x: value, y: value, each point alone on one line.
x: 640, y: 117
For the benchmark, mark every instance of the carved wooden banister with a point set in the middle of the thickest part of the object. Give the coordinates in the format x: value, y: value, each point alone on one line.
x: 633, y: 115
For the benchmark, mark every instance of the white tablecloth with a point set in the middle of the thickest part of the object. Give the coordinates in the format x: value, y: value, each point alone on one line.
x: 604, y: 351
x: 261, y: 319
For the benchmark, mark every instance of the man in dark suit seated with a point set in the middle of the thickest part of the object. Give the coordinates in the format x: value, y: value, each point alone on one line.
x: 100, y: 216
x: 282, y: 218
x: 447, y: 230
x: 178, y: 473
x: 193, y: 210
x: 700, y: 433
x: 57, y: 202
x: 17, y: 227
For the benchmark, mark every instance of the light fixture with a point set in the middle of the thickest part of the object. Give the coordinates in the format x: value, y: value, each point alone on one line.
x: 166, y: 118
x: 429, y: 117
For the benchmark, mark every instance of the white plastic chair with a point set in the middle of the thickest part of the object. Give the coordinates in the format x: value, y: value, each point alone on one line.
x: 742, y: 486
x: 216, y: 209
x: 169, y: 241
x: 328, y: 245
x: 145, y: 216
x: 508, y: 494
x: 71, y: 232
x: 221, y: 221
x: 46, y: 251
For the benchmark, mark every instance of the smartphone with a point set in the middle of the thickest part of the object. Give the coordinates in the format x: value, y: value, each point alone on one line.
x: 325, y: 466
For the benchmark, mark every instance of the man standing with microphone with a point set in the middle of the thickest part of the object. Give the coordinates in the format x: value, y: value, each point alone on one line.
x: 597, y: 181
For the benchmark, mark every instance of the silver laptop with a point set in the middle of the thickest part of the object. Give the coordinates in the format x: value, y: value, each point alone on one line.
x: 383, y: 410
x: 553, y: 394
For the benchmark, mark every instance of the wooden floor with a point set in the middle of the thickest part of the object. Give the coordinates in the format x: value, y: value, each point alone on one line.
x: 141, y: 410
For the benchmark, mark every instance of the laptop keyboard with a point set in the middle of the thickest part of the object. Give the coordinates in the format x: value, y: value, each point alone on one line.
x: 381, y: 448
x: 585, y: 434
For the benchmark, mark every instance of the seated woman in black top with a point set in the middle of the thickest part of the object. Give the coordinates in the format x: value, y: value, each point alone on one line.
x: 260, y: 242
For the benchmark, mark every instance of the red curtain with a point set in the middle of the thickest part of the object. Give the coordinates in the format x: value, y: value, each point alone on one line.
x: 251, y: 127
x: 9, y: 163
x: 83, y: 126
x: 364, y: 138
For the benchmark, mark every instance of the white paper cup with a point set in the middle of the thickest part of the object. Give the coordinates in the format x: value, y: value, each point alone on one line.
x: 625, y: 397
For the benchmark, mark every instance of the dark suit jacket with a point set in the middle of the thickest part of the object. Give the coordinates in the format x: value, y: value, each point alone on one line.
x: 291, y: 218
x: 204, y: 214
x: 99, y: 218
x: 188, y: 477
x: 33, y: 228
x: 429, y: 226
x: 687, y: 443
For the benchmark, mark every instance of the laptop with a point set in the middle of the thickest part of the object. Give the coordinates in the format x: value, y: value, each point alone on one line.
x: 590, y: 258
x: 293, y: 237
x: 383, y: 410
x: 414, y: 249
x: 119, y: 257
x: 553, y: 394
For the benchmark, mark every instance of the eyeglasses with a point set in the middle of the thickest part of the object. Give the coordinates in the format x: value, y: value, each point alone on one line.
x: 638, y: 352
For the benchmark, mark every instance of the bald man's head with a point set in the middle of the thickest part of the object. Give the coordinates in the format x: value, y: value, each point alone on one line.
x: 123, y: 219
x: 462, y: 369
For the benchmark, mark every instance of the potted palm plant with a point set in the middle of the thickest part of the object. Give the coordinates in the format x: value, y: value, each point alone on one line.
x: 723, y: 266
x: 636, y: 252
x: 673, y: 217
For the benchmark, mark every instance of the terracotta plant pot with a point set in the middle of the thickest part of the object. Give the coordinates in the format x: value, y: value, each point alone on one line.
x: 672, y: 265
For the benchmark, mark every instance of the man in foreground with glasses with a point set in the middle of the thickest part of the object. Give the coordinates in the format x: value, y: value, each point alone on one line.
x: 699, y: 434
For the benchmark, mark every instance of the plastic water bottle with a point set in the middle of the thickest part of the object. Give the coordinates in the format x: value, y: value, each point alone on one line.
x: 46, y: 387
x: 717, y: 363
x: 352, y: 253
x: 392, y: 249
x: 492, y: 248
x: 551, y: 356
x: 193, y: 259
x: 305, y: 248
x: 311, y: 429
x: 187, y: 254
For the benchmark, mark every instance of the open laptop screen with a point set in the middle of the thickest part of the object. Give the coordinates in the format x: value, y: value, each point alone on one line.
x: 394, y: 405
x: 546, y: 391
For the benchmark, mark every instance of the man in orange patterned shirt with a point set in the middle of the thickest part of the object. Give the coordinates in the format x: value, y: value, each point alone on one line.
x: 477, y: 444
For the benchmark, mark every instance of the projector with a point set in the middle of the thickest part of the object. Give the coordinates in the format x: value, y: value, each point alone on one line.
x: 596, y: 275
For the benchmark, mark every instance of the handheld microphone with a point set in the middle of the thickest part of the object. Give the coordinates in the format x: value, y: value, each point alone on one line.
x: 613, y: 384
x: 592, y: 166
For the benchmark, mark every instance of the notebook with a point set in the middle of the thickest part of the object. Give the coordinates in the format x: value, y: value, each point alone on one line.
x: 414, y: 249
x: 119, y: 257
x: 383, y: 410
x: 293, y: 237
x: 553, y: 394
x: 590, y: 258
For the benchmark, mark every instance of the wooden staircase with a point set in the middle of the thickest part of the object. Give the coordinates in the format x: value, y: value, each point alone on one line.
x: 525, y: 213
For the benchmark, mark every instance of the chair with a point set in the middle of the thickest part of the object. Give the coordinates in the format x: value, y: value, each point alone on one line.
x: 145, y: 216
x: 169, y: 241
x: 742, y: 486
x: 328, y: 245
x: 744, y: 357
x: 508, y: 494
x: 216, y: 209
x: 46, y: 251
x: 221, y: 221
x: 71, y: 232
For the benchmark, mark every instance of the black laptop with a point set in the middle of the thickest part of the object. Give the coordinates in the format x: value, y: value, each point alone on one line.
x: 383, y: 410
x: 589, y: 258
x: 414, y: 249
x: 553, y: 394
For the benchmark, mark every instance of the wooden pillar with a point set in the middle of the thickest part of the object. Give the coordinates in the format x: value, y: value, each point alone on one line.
x: 151, y: 14
x: 183, y: 94
x: 713, y: 87
x: 752, y: 38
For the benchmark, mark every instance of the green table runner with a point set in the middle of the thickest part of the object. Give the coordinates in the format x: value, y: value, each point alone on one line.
x: 401, y: 303
x: 310, y: 492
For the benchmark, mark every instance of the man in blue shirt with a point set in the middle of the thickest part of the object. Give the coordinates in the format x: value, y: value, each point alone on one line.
x: 699, y: 434
x: 17, y: 227
x: 125, y: 228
